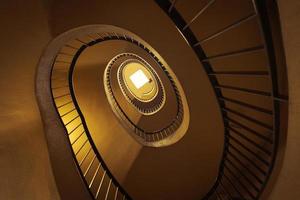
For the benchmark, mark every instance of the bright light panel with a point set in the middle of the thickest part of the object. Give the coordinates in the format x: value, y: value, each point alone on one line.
x: 139, y: 79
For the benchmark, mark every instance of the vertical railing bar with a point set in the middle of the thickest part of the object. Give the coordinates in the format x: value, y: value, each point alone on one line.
x: 161, y: 134
x: 262, y: 12
x: 250, y: 91
x: 243, y: 175
x: 157, y: 136
x: 249, y: 150
x: 85, y: 156
x: 89, y: 166
x: 245, y: 167
x: 78, y: 137
x: 108, y: 35
x: 74, y: 129
x: 249, y: 118
x: 86, y: 144
x: 218, y: 195
x: 84, y: 43
x: 249, y: 130
x: 248, y: 159
x: 71, y: 120
x: 199, y: 13
x: 105, y: 35
x: 239, y: 181
x: 259, y: 109
x: 100, y: 185
x: 240, y: 73
x: 172, y: 6
x: 64, y: 104
x: 107, y: 192
x: 249, y: 140
x: 60, y: 96
x: 227, y: 28
x: 81, y: 147
x: 117, y: 36
x: 100, y: 36
x: 233, y: 186
x: 116, y: 193
x: 93, y: 39
x: 131, y: 39
x: 281, y: 99
x: 225, y: 189
x: 234, y: 53
x: 94, y: 176
x: 67, y: 45
x: 68, y: 112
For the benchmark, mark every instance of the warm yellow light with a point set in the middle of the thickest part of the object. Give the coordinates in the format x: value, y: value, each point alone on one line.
x: 139, y: 79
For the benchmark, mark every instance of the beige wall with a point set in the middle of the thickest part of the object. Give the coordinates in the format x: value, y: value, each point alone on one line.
x: 24, y: 163
x: 288, y: 183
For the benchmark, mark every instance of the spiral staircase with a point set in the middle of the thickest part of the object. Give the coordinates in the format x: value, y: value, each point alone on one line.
x: 211, y: 118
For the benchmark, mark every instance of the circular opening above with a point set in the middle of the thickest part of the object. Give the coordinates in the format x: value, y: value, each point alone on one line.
x: 144, y: 96
x: 139, y: 81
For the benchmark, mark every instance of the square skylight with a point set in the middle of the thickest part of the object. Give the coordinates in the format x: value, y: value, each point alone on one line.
x: 139, y: 79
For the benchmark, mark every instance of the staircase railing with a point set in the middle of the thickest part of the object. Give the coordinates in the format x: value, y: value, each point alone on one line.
x: 253, y: 117
x: 91, y: 166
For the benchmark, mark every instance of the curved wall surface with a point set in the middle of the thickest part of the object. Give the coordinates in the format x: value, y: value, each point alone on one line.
x: 287, y: 184
x: 28, y: 27
x: 24, y: 162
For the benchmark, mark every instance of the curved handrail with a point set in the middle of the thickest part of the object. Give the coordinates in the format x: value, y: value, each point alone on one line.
x: 250, y: 168
x: 74, y: 122
x: 247, y: 163
x: 64, y: 100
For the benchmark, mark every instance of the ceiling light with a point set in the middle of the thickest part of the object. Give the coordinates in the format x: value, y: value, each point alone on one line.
x: 139, y: 79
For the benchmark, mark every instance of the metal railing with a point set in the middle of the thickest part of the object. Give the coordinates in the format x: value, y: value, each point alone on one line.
x: 253, y: 116
x: 96, y: 175
x: 91, y: 166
